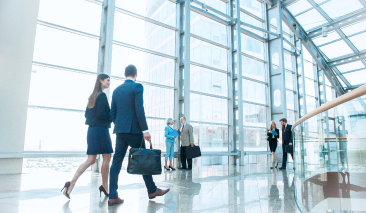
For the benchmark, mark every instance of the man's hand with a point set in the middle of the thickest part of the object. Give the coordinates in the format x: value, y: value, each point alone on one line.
x: 192, y: 145
x: 290, y: 144
x: 147, y: 136
x: 173, y: 137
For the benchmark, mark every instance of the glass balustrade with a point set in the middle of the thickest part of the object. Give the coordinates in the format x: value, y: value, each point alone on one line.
x: 330, y: 163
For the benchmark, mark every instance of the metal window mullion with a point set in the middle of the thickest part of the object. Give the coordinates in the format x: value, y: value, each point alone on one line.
x: 251, y: 15
x: 253, y: 35
x: 208, y: 67
x: 213, y: 10
x: 209, y: 15
x: 255, y: 80
x: 259, y: 29
x: 239, y: 80
x: 209, y: 41
x: 126, y: 12
x: 277, y: 75
x: 209, y: 94
x: 231, y: 92
x: 187, y: 58
x: 66, y: 29
x: 253, y: 57
x: 324, y: 93
x: 144, y: 50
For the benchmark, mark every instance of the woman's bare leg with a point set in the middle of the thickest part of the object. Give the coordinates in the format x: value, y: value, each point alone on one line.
x: 105, y: 170
x: 90, y: 161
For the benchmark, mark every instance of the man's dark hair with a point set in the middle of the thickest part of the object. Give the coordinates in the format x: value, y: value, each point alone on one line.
x: 130, y: 71
x: 284, y: 120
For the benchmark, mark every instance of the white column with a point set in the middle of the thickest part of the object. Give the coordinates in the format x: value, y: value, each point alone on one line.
x: 18, y: 23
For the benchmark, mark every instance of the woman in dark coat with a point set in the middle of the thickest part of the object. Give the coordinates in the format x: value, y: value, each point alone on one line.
x: 98, y: 118
x: 272, y: 137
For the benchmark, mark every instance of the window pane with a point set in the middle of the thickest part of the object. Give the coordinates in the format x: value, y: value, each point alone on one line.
x: 359, y: 41
x: 309, y: 69
x: 336, y: 49
x: 208, y: 54
x: 311, y: 19
x: 290, y: 117
x: 55, y: 12
x: 309, y: 87
x: 252, y: 46
x: 207, y: 28
x: 145, y: 34
x: 322, y: 40
x: 351, y: 66
x: 157, y: 131
x: 65, y: 49
x: 254, y: 115
x: 252, y: 21
x: 253, y: 69
x: 252, y: 6
x: 150, y: 68
x: 289, y: 80
x: 299, y: 6
x: 48, y: 88
x: 163, y: 11
x: 288, y: 61
x: 211, y: 138
x: 51, y: 130
x: 255, y: 139
x: 254, y: 92
x: 216, y: 4
x: 355, y: 28
x: 356, y: 77
x: 290, y: 99
x: 337, y: 8
x: 207, y: 81
x: 208, y: 109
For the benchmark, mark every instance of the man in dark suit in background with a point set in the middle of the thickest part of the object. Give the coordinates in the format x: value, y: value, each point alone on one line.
x: 128, y: 116
x: 286, y: 140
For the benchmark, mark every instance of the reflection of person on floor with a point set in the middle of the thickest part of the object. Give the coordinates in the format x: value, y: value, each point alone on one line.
x: 274, y: 194
x: 186, y: 196
x: 288, y: 191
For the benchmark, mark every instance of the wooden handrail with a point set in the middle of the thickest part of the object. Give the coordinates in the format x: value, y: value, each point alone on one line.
x: 340, y: 100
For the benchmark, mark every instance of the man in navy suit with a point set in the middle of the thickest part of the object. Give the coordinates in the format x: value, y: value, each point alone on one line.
x: 286, y: 140
x: 130, y: 126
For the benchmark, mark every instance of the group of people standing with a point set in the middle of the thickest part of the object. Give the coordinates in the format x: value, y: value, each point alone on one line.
x: 273, y: 135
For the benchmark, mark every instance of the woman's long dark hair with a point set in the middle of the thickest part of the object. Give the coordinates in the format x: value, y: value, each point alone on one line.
x: 97, y: 90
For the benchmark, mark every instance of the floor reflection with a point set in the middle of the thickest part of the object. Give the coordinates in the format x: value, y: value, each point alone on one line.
x: 207, y: 188
x: 333, y: 185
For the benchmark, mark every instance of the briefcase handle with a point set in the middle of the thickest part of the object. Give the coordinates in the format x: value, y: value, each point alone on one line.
x: 143, y: 141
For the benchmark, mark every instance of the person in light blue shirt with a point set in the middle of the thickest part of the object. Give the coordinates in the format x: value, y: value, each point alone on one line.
x: 169, y: 142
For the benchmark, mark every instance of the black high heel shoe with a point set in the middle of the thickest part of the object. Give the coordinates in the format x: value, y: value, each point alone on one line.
x: 102, y: 189
x: 166, y: 168
x: 66, y: 187
x: 171, y: 168
x: 276, y: 165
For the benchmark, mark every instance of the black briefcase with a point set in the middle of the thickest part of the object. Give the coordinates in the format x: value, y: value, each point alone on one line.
x: 144, y: 161
x: 193, y: 152
x: 289, y: 149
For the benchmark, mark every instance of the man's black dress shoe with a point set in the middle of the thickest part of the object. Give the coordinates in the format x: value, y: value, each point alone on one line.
x: 282, y: 168
x: 189, y: 168
x: 180, y: 168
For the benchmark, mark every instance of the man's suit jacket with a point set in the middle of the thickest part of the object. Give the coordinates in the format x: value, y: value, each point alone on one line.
x: 287, y: 135
x: 127, y: 111
x: 186, y: 136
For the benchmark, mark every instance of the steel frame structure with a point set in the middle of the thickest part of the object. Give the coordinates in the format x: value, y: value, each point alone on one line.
x: 275, y: 79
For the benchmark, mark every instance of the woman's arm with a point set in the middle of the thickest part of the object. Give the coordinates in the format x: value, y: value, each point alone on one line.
x: 167, y: 133
x: 278, y: 134
x: 103, y: 111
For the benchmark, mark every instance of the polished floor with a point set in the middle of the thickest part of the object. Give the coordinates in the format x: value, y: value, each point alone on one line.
x: 252, y: 188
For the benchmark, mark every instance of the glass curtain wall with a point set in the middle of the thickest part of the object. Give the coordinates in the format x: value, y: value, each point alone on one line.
x: 66, y: 59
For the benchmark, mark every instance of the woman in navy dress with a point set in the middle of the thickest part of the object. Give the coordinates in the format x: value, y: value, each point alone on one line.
x: 98, y: 118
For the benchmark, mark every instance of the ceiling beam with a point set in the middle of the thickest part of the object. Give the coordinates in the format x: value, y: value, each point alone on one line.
x: 312, y: 49
x: 347, y: 59
x: 289, y: 2
x: 354, y: 86
x: 347, y: 20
